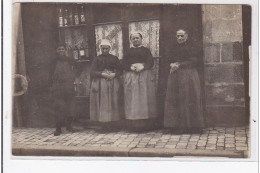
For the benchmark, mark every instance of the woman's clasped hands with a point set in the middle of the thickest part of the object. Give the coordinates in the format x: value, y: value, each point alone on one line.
x: 174, y: 66
x: 137, y: 67
x: 108, y: 75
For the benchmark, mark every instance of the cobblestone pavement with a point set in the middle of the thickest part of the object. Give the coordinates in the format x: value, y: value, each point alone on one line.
x: 217, y: 138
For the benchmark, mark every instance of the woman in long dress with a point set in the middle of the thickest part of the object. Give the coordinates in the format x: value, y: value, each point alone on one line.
x: 105, y: 87
x: 139, y: 83
x: 183, y: 105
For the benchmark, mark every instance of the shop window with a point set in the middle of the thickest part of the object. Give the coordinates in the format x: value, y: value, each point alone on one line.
x: 150, y: 32
x: 112, y: 32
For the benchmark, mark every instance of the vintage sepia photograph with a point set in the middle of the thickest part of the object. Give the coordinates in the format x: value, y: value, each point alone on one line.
x: 155, y: 80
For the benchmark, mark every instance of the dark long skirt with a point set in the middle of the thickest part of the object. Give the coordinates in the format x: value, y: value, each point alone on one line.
x: 64, y: 102
x: 183, y: 104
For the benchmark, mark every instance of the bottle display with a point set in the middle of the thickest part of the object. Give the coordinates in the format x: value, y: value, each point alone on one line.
x: 60, y: 18
x: 79, y: 88
x: 73, y: 15
x: 75, y: 53
x: 86, y: 52
x: 82, y: 52
x: 66, y: 18
x: 76, y: 16
x: 82, y: 16
x: 71, y: 22
x: 70, y: 18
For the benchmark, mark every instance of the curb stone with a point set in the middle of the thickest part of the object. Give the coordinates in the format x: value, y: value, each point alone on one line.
x: 33, y: 150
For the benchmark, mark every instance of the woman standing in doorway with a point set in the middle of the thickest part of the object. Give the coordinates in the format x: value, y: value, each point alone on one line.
x: 183, y: 105
x: 104, y: 96
x: 139, y: 83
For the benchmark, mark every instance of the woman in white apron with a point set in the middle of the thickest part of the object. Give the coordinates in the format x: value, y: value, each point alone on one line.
x: 139, y: 83
x: 105, y: 87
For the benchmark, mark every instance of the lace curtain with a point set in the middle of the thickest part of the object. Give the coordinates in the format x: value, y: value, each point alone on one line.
x: 112, y: 32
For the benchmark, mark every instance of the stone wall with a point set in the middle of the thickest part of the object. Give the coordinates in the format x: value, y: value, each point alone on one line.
x: 223, y: 63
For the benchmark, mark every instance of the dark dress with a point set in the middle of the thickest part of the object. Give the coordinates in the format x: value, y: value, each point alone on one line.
x: 183, y: 104
x: 105, y: 94
x: 139, y: 88
x: 62, y: 81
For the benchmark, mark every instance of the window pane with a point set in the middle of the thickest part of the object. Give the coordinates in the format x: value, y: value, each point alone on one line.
x: 112, y: 32
x: 150, y: 32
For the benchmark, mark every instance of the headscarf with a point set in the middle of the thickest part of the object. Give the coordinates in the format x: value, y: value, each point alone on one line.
x: 141, y: 35
x: 105, y: 42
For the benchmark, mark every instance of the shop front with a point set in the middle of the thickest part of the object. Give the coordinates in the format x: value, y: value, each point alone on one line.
x: 82, y: 26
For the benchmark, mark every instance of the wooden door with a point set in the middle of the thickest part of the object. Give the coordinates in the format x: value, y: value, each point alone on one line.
x: 174, y: 17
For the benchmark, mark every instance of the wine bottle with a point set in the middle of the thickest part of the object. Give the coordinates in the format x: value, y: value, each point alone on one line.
x: 86, y: 48
x: 80, y: 89
x: 60, y: 18
x: 86, y: 52
x: 76, y: 17
x: 70, y: 18
x: 81, y: 52
x: 75, y: 53
x: 82, y: 15
x: 66, y: 18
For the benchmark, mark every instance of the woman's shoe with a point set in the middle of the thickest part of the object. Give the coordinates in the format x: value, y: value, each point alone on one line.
x: 57, y: 132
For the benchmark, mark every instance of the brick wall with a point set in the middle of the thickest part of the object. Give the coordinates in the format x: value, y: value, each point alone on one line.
x: 223, y: 62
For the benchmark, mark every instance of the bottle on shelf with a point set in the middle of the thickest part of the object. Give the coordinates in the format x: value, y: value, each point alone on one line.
x: 60, y: 18
x: 75, y: 53
x: 76, y: 16
x: 82, y: 53
x: 86, y: 48
x: 82, y: 16
x: 70, y: 18
x: 66, y: 18
x: 86, y: 52
x: 80, y: 89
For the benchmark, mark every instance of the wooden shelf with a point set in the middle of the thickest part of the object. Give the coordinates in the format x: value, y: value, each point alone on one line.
x: 72, y: 26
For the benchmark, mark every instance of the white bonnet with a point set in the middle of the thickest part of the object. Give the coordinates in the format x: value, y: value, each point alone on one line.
x: 105, y: 42
x: 136, y: 33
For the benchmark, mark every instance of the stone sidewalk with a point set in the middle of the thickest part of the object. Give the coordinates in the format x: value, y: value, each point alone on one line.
x: 212, y: 142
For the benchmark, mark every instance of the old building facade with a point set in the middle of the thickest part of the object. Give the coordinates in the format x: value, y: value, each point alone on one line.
x: 222, y: 32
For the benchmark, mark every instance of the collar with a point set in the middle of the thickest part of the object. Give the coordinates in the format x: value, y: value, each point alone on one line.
x: 136, y: 47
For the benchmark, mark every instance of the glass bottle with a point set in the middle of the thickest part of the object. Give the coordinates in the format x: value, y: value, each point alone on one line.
x: 82, y: 15
x: 82, y: 51
x: 75, y: 53
x: 76, y: 17
x: 60, y: 18
x: 86, y: 52
x: 80, y: 89
x: 66, y: 18
x: 70, y: 18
